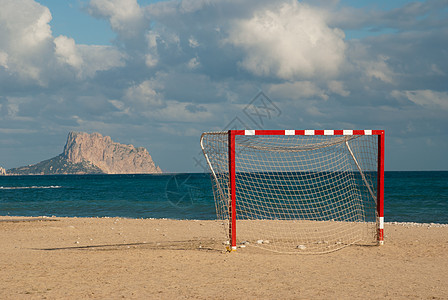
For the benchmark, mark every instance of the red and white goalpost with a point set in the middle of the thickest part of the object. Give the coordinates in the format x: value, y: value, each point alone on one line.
x: 300, y: 191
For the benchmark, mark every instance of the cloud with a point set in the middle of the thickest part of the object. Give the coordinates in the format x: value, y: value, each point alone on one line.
x: 86, y: 60
x: 424, y: 15
x: 178, y: 68
x: 297, y: 90
x: 25, y: 38
x: 290, y: 42
x: 193, y: 63
x: 338, y: 87
x: 4, y: 60
x: 28, y: 49
x: 378, y: 69
x: 67, y: 53
x: 144, y: 96
x: 193, y: 42
x: 101, y: 58
x: 125, y: 16
x: 425, y: 98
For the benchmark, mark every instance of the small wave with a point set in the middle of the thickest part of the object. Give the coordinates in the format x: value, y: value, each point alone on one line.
x: 29, y: 187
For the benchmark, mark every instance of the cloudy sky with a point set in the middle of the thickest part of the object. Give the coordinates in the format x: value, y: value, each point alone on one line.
x: 159, y: 73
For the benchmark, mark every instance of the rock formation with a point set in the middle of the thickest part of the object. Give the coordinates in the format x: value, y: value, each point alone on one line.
x: 93, y: 154
x: 110, y: 157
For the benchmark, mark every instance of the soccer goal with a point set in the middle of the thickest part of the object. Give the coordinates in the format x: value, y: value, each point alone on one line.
x: 298, y: 191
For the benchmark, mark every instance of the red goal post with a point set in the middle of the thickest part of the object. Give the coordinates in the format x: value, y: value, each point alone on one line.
x: 346, y: 136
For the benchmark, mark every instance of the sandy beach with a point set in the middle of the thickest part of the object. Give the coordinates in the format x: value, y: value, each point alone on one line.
x: 110, y: 258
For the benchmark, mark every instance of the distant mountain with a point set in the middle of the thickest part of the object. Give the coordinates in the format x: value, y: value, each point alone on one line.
x: 93, y: 154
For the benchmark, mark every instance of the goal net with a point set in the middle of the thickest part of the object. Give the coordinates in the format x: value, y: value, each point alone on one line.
x: 298, y: 191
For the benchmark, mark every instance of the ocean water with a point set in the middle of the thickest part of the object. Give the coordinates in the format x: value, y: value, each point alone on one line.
x: 409, y: 196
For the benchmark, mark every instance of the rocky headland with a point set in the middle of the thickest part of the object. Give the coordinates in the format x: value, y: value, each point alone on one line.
x: 93, y: 154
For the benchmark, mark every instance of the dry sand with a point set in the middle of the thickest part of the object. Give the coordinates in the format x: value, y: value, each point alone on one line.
x: 109, y: 258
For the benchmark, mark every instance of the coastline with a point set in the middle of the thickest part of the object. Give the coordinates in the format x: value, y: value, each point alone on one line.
x: 52, y: 257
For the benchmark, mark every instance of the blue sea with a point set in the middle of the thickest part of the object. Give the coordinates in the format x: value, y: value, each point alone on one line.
x: 409, y: 196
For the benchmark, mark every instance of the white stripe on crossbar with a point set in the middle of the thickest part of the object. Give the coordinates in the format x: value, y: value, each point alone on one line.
x: 249, y: 132
x: 309, y: 132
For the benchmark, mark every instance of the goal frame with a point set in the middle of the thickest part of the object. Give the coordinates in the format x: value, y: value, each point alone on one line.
x: 232, y: 171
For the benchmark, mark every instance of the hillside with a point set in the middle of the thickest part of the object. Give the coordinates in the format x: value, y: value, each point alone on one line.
x: 56, y: 165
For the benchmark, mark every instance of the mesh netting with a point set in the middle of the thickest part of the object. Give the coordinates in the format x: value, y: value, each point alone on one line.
x: 297, y: 194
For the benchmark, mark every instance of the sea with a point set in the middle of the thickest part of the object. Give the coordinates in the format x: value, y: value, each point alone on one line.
x: 420, y: 197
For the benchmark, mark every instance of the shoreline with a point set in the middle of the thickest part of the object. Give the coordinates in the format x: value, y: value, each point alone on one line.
x: 415, y: 224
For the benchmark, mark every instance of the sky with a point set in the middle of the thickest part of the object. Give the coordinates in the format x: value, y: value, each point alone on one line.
x: 156, y: 74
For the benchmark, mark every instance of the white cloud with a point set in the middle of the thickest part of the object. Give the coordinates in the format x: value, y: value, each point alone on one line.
x: 193, y: 63
x: 436, y: 70
x: 4, y: 60
x: 337, y: 87
x: 13, y: 107
x: 125, y: 16
x: 425, y: 98
x: 28, y: 49
x: 67, y: 53
x: 29, y: 20
x: 177, y: 112
x: 151, y: 57
x: 190, y: 6
x: 290, y: 42
x: 151, y: 38
x: 314, y: 111
x: 151, y: 60
x: 87, y: 59
x: 296, y: 90
x: 118, y: 104
x: 144, y: 96
x: 413, y: 16
x: 378, y: 69
x: 193, y: 42
x: 100, y: 58
x: 25, y: 38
